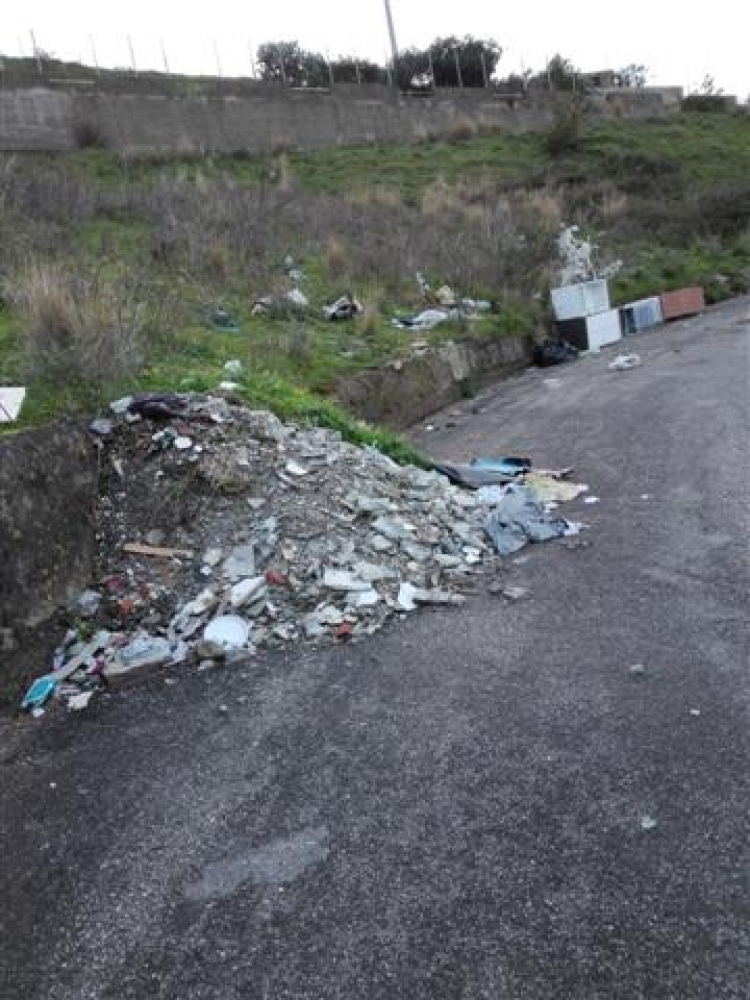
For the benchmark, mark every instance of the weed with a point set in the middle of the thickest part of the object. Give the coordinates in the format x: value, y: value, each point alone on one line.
x: 77, y: 330
x: 564, y: 135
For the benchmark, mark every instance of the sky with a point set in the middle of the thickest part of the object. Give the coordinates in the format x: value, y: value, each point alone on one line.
x: 679, y: 42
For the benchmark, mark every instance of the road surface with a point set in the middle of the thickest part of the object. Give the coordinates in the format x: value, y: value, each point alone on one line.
x: 455, y: 809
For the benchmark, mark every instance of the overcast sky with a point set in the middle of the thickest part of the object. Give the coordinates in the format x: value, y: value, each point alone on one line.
x: 679, y: 42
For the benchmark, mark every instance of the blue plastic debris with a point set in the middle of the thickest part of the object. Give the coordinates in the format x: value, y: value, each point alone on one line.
x: 42, y: 689
x: 517, y: 520
x: 509, y: 466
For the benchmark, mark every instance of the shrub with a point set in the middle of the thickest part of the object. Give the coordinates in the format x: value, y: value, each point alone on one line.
x: 77, y: 330
x: 462, y: 128
x: 564, y: 135
x: 89, y: 134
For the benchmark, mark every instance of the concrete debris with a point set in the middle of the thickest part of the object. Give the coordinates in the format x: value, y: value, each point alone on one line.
x: 342, y: 580
x: 141, y: 652
x: 102, y: 426
x: 77, y: 702
x: 253, y: 563
x: 248, y: 591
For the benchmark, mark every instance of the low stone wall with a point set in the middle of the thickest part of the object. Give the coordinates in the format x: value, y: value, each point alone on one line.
x: 402, y: 393
x: 268, y: 118
x: 48, y: 489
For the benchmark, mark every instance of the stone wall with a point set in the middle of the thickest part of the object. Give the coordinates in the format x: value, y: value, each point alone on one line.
x: 268, y: 119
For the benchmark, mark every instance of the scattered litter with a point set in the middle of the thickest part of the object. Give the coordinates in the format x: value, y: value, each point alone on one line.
x: 234, y: 367
x: 156, y: 551
x: 342, y: 580
x: 518, y: 519
x: 507, y: 466
x: 347, y: 307
x: 77, y: 702
x: 426, y: 320
x: 101, y: 427
x: 143, y: 651
x: 473, y: 477
x: 515, y: 593
x: 591, y: 500
x: 645, y: 496
x: 248, y: 591
x: 553, y: 352
x: 40, y: 691
x: 573, y: 528
x: 88, y: 603
x: 223, y: 322
x: 491, y: 494
x: 695, y: 712
x: 295, y: 469
x: 297, y: 298
x: 546, y: 489
x: 11, y: 401
x: 648, y: 823
x: 637, y: 670
x: 182, y: 443
x: 291, y: 533
x: 624, y: 362
x: 121, y: 406
x: 229, y: 632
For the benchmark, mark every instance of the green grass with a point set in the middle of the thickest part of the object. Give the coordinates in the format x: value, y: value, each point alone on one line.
x: 292, y: 364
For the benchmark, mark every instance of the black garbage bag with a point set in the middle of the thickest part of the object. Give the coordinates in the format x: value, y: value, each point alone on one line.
x: 554, y: 352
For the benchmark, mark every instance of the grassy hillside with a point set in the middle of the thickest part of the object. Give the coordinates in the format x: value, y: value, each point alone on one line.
x: 111, y: 268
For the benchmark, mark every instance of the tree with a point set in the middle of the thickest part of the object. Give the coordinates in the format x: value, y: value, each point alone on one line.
x: 349, y: 69
x: 561, y: 73
x: 286, y: 62
x: 708, y: 87
x: 436, y: 65
x: 631, y: 76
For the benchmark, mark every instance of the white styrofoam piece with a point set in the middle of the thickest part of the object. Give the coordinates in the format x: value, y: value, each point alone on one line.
x: 11, y: 400
x: 584, y: 299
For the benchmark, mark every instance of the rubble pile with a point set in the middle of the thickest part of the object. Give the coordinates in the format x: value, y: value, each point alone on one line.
x: 223, y: 530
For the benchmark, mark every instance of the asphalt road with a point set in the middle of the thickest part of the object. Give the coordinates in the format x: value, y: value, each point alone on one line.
x: 453, y: 810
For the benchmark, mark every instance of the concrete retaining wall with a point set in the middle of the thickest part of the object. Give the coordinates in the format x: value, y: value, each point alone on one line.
x: 268, y: 120
x: 402, y: 393
x: 48, y: 490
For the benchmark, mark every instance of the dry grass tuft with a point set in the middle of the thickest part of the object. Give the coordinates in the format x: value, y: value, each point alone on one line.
x: 76, y: 330
x: 335, y: 256
x: 462, y: 128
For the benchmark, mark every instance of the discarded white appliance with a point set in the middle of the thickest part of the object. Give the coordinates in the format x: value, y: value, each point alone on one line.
x: 589, y: 333
x: 584, y: 299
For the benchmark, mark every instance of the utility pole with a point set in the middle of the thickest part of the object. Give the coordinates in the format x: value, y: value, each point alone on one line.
x: 35, y: 51
x: 132, y: 54
x: 93, y: 54
x: 391, y: 32
x: 164, y: 56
